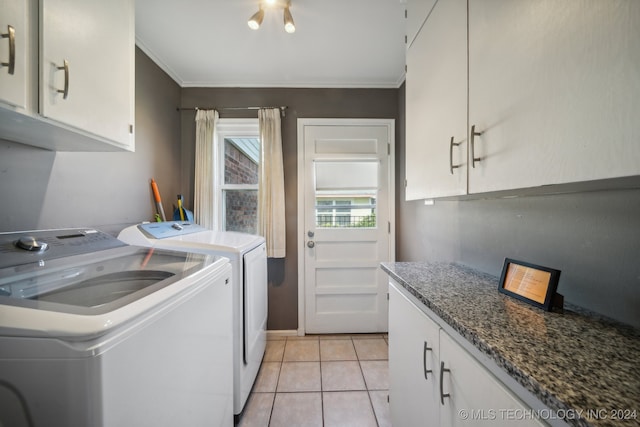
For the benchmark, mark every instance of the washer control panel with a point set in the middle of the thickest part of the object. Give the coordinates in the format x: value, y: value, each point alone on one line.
x: 162, y: 230
x: 23, y: 247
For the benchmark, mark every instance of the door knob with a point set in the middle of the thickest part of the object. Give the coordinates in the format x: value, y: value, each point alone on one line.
x: 311, y: 244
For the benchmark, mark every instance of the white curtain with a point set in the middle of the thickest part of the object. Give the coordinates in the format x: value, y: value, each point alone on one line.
x: 204, y: 203
x: 271, y: 220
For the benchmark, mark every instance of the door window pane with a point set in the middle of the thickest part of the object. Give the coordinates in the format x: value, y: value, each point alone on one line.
x: 346, y: 193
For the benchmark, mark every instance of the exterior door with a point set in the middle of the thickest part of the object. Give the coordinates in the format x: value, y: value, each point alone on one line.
x: 346, y: 228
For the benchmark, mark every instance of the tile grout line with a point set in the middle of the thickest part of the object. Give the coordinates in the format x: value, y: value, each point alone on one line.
x: 321, y: 384
x: 375, y: 416
x: 275, y: 392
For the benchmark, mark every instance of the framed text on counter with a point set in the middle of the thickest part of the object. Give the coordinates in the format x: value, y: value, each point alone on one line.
x: 533, y: 284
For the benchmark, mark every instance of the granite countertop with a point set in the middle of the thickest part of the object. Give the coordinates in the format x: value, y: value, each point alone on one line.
x: 571, y: 361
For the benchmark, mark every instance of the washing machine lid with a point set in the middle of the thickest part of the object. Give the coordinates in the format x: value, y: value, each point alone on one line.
x: 191, y: 237
x: 88, y: 294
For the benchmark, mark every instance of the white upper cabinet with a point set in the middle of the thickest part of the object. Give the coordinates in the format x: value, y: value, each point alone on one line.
x: 436, y: 105
x: 552, y: 97
x: 87, y: 66
x: 554, y: 88
x: 13, y: 53
x: 417, y: 12
x: 72, y: 88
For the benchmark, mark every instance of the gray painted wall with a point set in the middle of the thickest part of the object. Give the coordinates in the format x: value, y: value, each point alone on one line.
x: 301, y: 103
x: 592, y: 237
x: 44, y: 189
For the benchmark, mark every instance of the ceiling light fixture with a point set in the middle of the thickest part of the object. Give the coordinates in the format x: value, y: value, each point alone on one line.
x: 256, y: 20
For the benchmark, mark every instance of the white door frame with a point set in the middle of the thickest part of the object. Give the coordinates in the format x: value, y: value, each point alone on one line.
x: 302, y: 122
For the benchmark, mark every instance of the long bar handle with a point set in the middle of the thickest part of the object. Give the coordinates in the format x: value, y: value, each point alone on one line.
x: 65, y: 91
x: 451, y: 145
x: 424, y: 360
x: 11, y: 35
x: 442, y: 371
x: 474, y: 159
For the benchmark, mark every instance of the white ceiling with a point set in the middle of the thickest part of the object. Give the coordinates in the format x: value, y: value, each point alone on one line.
x: 337, y: 43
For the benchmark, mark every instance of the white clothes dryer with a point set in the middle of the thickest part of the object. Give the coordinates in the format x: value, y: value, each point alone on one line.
x: 94, y: 332
x: 248, y: 257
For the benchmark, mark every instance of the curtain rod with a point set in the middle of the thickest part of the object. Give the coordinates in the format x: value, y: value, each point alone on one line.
x: 282, y: 108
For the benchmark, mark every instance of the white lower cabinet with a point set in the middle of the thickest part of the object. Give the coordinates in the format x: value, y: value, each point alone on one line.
x: 471, y: 395
x: 413, y: 364
x: 435, y: 382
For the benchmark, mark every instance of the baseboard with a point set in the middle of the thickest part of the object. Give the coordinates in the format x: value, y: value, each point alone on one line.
x: 282, y: 333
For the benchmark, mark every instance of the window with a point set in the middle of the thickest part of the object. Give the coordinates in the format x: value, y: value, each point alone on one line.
x: 238, y: 163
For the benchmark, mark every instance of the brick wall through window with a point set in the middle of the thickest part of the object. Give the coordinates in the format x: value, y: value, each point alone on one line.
x: 241, y: 206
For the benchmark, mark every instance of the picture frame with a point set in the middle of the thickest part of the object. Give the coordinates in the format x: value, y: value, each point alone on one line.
x: 531, y: 283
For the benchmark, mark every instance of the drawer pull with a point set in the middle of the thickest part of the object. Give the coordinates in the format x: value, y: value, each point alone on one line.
x: 424, y: 360
x: 451, y: 145
x: 11, y: 35
x: 65, y: 91
x: 442, y: 371
x: 474, y: 159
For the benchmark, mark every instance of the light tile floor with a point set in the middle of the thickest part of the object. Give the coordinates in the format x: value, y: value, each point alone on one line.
x: 323, y: 381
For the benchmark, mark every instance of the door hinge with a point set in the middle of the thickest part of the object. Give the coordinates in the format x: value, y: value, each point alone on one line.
x: 389, y: 227
x: 405, y: 39
x: 405, y: 183
x: 405, y: 14
x: 388, y: 148
x: 387, y: 296
x: 131, y: 129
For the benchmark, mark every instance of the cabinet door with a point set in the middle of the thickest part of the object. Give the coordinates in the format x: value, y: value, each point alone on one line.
x: 554, y: 89
x: 475, y: 397
x: 13, y: 52
x: 96, y: 38
x: 417, y: 12
x: 436, y: 105
x: 413, y: 364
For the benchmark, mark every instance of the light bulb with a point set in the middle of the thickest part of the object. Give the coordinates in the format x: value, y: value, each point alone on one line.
x: 255, y: 21
x: 289, y: 26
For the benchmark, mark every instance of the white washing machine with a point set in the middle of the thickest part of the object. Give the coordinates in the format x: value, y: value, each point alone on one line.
x: 94, y: 332
x: 248, y: 257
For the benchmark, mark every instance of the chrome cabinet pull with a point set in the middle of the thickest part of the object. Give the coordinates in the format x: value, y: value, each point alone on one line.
x: 11, y: 35
x: 442, y: 371
x: 424, y: 360
x: 451, y: 145
x: 65, y: 91
x: 474, y: 159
